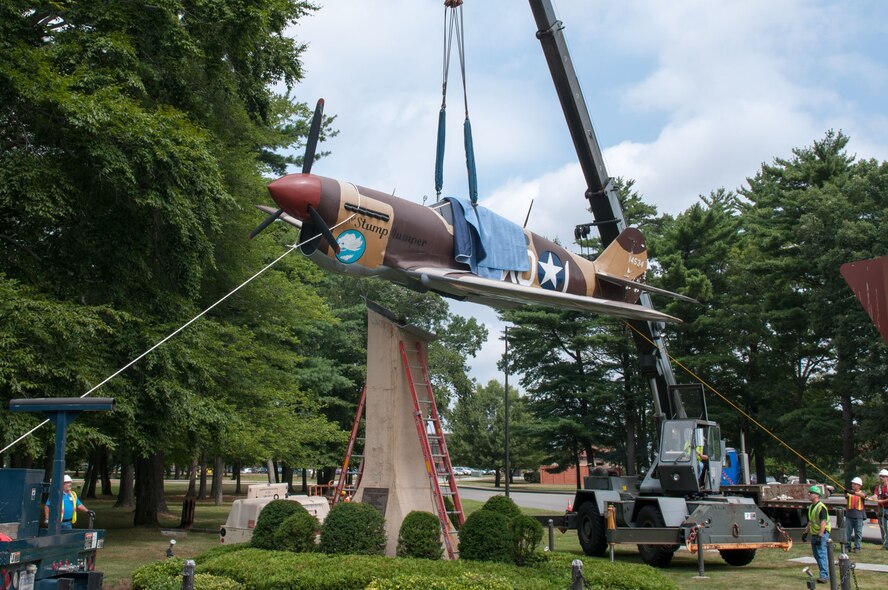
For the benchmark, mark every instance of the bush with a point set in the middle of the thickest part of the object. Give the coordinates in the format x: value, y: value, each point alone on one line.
x: 277, y: 570
x: 503, y: 505
x: 532, y: 477
x: 355, y: 528
x: 420, y: 536
x: 159, y: 575
x: 296, y: 533
x: 270, y: 519
x: 486, y: 536
x: 527, y: 533
x: 167, y: 575
x: 467, y: 581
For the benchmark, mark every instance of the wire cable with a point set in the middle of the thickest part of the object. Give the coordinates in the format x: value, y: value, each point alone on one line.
x: 177, y: 330
x: 739, y: 409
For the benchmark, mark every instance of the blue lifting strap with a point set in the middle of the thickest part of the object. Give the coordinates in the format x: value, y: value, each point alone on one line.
x: 470, y: 162
x: 453, y: 26
x: 439, y: 159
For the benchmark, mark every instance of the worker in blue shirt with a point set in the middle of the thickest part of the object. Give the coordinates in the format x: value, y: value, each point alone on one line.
x: 71, y: 505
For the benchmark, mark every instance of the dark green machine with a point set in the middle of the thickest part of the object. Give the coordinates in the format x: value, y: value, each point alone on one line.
x: 50, y: 558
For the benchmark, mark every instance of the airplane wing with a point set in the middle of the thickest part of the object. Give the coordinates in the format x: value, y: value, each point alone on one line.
x: 642, y: 287
x: 474, y: 288
x: 283, y: 217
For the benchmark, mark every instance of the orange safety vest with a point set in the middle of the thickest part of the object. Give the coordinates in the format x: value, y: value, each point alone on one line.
x: 855, y: 502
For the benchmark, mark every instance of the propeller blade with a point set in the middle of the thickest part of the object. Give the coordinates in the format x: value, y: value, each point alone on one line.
x: 313, y: 134
x: 266, y: 222
x: 323, y: 228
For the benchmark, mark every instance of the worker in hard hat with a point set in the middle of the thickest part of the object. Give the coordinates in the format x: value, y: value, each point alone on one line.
x: 855, y: 514
x: 818, y: 529
x: 71, y: 505
x: 880, y: 495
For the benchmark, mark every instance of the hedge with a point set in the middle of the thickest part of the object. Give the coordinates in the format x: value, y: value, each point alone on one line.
x: 486, y: 536
x: 167, y: 575
x: 271, y: 517
x: 353, y: 528
x: 420, y: 536
x: 258, y: 569
x: 502, y: 504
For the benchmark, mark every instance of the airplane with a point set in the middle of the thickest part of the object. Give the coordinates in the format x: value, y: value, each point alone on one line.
x: 423, y: 248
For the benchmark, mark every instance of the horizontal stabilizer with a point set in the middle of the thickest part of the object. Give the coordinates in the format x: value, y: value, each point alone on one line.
x: 283, y: 216
x: 642, y: 287
x: 474, y: 288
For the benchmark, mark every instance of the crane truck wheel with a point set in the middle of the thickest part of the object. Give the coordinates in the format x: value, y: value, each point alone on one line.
x: 654, y: 555
x: 591, y: 529
x: 737, y: 557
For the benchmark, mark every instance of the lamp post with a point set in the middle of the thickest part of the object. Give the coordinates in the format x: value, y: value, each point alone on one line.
x: 508, y: 473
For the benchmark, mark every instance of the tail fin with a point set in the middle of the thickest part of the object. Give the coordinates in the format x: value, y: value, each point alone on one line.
x: 624, y: 263
x: 625, y: 258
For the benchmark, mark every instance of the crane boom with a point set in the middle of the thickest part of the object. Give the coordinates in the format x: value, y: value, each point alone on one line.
x: 603, y: 199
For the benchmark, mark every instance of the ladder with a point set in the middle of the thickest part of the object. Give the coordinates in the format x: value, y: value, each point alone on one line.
x: 434, y: 446
x: 342, y: 484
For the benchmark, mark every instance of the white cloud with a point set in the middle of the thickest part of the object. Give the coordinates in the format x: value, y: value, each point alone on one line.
x: 694, y: 95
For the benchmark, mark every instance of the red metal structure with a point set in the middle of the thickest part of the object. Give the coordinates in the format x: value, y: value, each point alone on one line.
x: 869, y: 281
x: 434, y: 446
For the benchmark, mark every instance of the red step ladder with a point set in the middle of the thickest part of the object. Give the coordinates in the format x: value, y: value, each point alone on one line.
x: 434, y: 446
x: 342, y: 484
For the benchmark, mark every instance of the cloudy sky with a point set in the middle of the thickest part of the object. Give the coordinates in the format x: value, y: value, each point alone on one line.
x: 686, y: 97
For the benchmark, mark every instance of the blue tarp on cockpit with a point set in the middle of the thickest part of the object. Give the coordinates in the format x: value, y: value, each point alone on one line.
x: 487, y: 242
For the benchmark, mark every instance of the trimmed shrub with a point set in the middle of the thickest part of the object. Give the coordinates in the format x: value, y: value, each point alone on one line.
x: 467, y: 581
x: 503, y: 505
x: 355, y: 528
x: 167, y: 575
x: 297, y: 533
x: 527, y: 533
x: 277, y: 570
x: 270, y: 519
x: 486, y: 536
x: 210, y: 582
x: 420, y: 536
x: 159, y: 575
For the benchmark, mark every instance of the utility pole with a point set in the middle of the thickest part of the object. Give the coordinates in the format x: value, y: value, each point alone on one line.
x: 506, y: 338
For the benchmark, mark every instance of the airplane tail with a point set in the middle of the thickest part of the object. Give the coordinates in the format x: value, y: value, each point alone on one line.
x: 623, y: 264
x: 625, y: 258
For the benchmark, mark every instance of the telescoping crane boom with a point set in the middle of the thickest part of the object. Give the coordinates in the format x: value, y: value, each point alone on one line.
x: 679, y: 499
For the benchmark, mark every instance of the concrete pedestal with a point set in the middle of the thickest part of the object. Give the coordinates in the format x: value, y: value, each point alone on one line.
x: 395, y: 480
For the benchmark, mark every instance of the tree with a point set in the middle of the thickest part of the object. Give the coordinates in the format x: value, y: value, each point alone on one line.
x: 133, y: 138
x: 477, y: 429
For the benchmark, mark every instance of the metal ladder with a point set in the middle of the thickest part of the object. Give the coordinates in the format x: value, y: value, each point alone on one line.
x: 341, y: 485
x: 434, y: 446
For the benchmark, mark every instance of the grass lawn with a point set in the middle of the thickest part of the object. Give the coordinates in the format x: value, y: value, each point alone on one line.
x: 771, y: 568
x: 127, y: 547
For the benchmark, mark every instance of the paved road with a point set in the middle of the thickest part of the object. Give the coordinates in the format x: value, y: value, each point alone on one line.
x: 557, y: 502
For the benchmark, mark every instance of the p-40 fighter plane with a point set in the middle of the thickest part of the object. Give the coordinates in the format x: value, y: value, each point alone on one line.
x: 448, y: 247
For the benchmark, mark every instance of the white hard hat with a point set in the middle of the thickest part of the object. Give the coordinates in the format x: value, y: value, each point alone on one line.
x: 883, y: 472
x: 857, y: 480
x: 67, y: 479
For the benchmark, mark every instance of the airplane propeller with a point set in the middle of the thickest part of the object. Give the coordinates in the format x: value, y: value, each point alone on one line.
x: 311, y: 145
x: 323, y: 228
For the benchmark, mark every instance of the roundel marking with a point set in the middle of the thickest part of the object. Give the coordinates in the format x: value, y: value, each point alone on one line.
x: 551, y: 272
x: 352, y: 245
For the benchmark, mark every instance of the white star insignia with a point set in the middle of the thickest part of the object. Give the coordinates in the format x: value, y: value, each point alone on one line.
x: 550, y: 272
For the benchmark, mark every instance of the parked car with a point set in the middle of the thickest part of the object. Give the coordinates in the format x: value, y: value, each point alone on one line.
x: 460, y: 471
